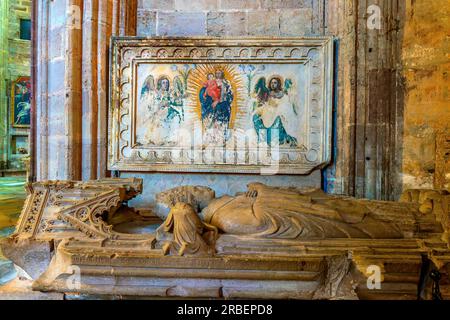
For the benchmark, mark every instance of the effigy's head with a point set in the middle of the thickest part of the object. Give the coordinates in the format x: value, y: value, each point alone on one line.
x: 182, y: 208
x: 196, y: 196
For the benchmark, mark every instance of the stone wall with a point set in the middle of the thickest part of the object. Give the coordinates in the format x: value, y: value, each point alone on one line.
x: 230, y: 17
x: 425, y: 57
x: 72, y: 69
x: 15, y: 61
x: 368, y: 154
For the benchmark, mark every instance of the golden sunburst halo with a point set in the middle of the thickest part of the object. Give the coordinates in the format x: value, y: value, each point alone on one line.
x: 198, y: 77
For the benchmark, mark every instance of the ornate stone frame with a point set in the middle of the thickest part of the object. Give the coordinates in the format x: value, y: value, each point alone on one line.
x: 126, y: 52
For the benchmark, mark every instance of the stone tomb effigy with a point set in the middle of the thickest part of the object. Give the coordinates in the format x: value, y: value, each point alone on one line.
x: 266, y: 243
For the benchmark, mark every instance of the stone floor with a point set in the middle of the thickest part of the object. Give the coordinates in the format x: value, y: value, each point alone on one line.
x: 12, y: 196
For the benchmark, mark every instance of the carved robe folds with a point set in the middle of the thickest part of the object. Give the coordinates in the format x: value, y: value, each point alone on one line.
x: 190, y: 234
x: 289, y: 214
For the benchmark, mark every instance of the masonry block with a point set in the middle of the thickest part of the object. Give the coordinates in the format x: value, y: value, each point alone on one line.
x: 226, y: 23
x: 296, y: 22
x: 286, y: 4
x: 156, y: 4
x: 181, y: 23
x: 146, y: 23
x: 240, y: 4
x: 263, y: 22
x: 56, y: 44
x: 56, y: 75
x: 197, y: 5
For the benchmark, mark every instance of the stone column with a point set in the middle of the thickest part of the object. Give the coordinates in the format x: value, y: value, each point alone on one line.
x: 73, y: 84
x: 105, y: 32
x: 73, y: 38
x: 341, y: 21
x: 90, y: 89
x: 101, y: 20
x: 128, y: 17
x: 4, y: 9
x: 41, y: 95
x: 369, y: 99
x: 58, y: 103
x: 58, y: 100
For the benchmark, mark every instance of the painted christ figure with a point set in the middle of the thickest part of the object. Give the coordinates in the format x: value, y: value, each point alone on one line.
x: 216, y: 98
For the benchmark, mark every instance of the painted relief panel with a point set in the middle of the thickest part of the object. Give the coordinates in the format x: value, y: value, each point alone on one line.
x: 21, y: 102
x: 201, y: 105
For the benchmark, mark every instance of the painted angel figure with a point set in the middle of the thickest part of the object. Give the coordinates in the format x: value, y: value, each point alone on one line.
x: 163, y: 107
x: 178, y: 95
x: 147, y: 96
x: 276, y: 112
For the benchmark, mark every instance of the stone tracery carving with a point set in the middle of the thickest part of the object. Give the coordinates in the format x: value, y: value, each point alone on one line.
x: 55, y: 206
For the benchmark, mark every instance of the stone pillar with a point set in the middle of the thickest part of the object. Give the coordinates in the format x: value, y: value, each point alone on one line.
x: 101, y: 20
x: 72, y: 90
x: 4, y: 9
x: 128, y: 17
x: 90, y: 89
x: 41, y: 94
x: 368, y: 96
x: 378, y: 88
x: 105, y: 32
x: 73, y: 38
x: 31, y: 172
x: 341, y: 20
x: 59, y: 90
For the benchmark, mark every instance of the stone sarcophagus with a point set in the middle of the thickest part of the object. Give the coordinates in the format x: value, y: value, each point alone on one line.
x: 269, y: 242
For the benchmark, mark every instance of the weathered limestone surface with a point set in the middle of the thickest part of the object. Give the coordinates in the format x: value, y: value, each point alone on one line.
x: 72, y: 83
x: 226, y: 250
x: 146, y: 23
x: 174, y: 24
x: 32, y: 256
x: 229, y: 18
x: 263, y: 22
x: 426, y: 119
x: 296, y: 22
x: 227, y: 23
